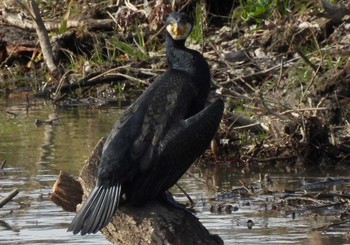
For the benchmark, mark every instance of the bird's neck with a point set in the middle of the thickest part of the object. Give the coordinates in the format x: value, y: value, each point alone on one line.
x: 193, y: 63
x: 171, y: 43
x: 181, y: 58
x: 177, y: 54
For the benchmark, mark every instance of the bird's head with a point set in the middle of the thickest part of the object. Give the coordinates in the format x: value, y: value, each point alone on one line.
x: 179, y: 25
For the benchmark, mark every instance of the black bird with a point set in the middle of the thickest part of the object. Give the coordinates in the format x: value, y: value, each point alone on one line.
x: 158, y: 137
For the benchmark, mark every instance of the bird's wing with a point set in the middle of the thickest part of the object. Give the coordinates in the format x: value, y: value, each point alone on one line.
x: 183, y: 143
x: 133, y: 143
x: 187, y: 141
x: 130, y: 119
x: 170, y: 104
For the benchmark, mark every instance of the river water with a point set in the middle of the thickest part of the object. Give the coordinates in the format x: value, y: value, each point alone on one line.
x: 35, y: 154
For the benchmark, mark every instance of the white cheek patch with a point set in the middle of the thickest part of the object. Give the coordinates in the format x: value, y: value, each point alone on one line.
x: 170, y: 31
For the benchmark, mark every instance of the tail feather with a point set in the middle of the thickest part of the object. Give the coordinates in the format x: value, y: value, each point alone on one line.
x: 115, y: 200
x: 96, y: 215
x: 100, y: 216
x: 97, y: 211
x: 101, y: 213
x: 83, y: 214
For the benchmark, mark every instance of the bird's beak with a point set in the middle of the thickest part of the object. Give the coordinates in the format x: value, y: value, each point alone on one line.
x: 179, y: 30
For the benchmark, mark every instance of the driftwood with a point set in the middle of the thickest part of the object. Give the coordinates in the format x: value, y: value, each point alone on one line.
x: 154, y: 223
x: 67, y: 192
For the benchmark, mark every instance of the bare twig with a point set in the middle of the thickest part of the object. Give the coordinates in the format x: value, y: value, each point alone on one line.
x: 326, y: 227
x: 304, y: 109
x: 247, y: 126
x: 306, y: 59
x: 186, y: 194
x: 318, y: 69
x: 280, y: 75
x: 262, y: 72
x: 134, y: 79
x: 12, y: 113
x: 246, y: 188
x: 269, y: 159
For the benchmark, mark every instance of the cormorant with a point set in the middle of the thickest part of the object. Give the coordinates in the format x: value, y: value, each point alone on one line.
x: 158, y: 137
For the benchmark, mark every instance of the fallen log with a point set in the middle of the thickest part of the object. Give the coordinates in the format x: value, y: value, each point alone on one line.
x: 154, y: 223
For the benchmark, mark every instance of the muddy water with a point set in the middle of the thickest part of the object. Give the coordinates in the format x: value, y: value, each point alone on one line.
x: 36, y: 154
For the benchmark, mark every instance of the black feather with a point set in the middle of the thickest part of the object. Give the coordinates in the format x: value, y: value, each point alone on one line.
x: 97, y: 211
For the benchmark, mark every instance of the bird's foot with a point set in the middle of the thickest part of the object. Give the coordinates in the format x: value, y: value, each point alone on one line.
x: 168, y: 199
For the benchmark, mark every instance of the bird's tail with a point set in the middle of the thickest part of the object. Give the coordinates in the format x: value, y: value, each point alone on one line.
x: 97, y: 211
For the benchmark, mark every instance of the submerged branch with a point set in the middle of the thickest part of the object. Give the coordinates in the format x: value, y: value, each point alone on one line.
x: 8, y: 198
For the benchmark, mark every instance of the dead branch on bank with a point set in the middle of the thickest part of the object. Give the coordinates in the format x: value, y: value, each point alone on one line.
x: 33, y: 10
x: 91, y: 24
x: 153, y: 223
x: 115, y: 75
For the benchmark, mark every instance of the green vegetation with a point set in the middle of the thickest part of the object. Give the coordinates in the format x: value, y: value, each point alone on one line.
x: 197, y: 33
x: 257, y: 11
